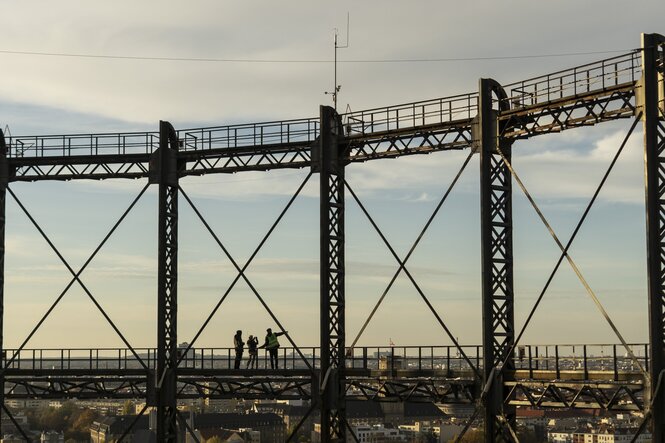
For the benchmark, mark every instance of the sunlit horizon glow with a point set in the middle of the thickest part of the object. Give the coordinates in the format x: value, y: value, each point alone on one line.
x: 42, y: 95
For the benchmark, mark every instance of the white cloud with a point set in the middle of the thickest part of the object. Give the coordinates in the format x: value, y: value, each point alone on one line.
x: 146, y: 91
x: 572, y: 173
x: 134, y: 95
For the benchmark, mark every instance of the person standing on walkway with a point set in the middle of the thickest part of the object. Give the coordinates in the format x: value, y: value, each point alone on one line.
x: 252, y: 347
x: 239, y: 345
x: 272, y: 345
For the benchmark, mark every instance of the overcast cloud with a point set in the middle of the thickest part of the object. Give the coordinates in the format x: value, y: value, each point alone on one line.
x: 52, y: 94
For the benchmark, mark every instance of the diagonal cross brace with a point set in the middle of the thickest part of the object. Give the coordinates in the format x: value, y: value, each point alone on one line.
x: 570, y: 241
x: 413, y: 248
x: 241, y: 271
x: 575, y: 268
x: 76, y: 278
x: 413, y: 281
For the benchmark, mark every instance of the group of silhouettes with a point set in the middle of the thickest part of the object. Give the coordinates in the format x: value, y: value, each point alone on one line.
x: 271, y: 344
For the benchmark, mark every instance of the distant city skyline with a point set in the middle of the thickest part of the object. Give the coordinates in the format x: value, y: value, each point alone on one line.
x: 50, y: 94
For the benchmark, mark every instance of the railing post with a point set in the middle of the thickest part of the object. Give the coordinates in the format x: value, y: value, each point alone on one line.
x: 556, y: 361
x: 447, y: 360
x: 4, y: 180
x: 496, y: 254
x: 530, y: 365
x: 586, y: 370
x: 164, y: 172
x: 328, y: 161
x: 654, y: 145
x: 615, y: 363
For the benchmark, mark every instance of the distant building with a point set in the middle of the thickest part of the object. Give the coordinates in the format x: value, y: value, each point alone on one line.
x: 218, y: 404
x: 8, y: 425
x: 367, y: 413
x: 399, y: 413
x: 226, y: 435
x: 292, y: 415
x: 11, y: 438
x: 364, y: 413
x: 559, y: 437
x: 108, y: 429
x: 52, y: 437
x: 25, y: 403
x: 611, y: 436
x: 270, y: 426
x: 376, y: 433
x: 106, y: 407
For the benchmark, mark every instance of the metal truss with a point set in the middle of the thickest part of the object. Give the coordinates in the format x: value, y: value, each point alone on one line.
x: 66, y: 168
x: 653, y: 118
x: 496, y: 257
x: 3, y: 203
x: 255, y: 387
x: 333, y: 348
x: 581, y: 96
x: 585, y: 110
x: 609, y: 396
x: 586, y: 95
x: 78, y: 387
x: 437, y: 390
x: 398, y: 143
x: 254, y: 159
x: 165, y: 174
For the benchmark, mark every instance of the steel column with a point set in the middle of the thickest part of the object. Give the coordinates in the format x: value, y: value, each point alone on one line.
x: 164, y: 172
x: 330, y: 165
x: 4, y: 178
x: 654, y: 169
x: 496, y: 255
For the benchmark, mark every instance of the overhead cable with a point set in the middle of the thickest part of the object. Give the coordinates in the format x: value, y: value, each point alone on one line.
x: 262, y: 60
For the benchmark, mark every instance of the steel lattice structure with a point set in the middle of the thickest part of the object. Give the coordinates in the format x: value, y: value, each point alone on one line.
x: 487, y: 122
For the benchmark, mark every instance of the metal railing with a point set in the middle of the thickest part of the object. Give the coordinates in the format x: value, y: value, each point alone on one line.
x: 285, y: 132
x: 580, y: 358
x: 411, y: 115
x: 569, y: 83
x: 82, y: 144
x: 584, y: 359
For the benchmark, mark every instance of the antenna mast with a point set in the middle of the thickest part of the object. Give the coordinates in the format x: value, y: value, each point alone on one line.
x: 337, y: 87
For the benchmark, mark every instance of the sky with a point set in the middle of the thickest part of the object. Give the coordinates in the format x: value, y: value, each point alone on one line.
x: 288, y: 50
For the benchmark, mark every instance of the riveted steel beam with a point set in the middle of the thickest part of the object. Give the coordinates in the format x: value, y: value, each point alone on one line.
x: 3, y: 195
x: 496, y: 253
x: 653, y: 120
x: 164, y: 172
x: 330, y: 166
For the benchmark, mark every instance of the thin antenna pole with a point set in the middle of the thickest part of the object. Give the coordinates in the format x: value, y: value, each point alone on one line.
x: 337, y: 87
x: 336, y: 90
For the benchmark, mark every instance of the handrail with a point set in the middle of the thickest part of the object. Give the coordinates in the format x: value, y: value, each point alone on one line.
x: 569, y: 83
x: 590, y: 77
x: 553, y: 357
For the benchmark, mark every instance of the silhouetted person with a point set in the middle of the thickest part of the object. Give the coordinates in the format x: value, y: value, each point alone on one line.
x: 238, y: 344
x: 253, y: 347
x: 272, y: 345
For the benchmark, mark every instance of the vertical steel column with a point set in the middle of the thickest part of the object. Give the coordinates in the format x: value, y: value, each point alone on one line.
x: 497, y: 254
x: 331, y: 169
x: 654, y: 147
x: 4, y: 179
x: 164, y: 171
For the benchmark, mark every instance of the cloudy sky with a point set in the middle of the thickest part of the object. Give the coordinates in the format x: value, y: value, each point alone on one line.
x: 121, y: 66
